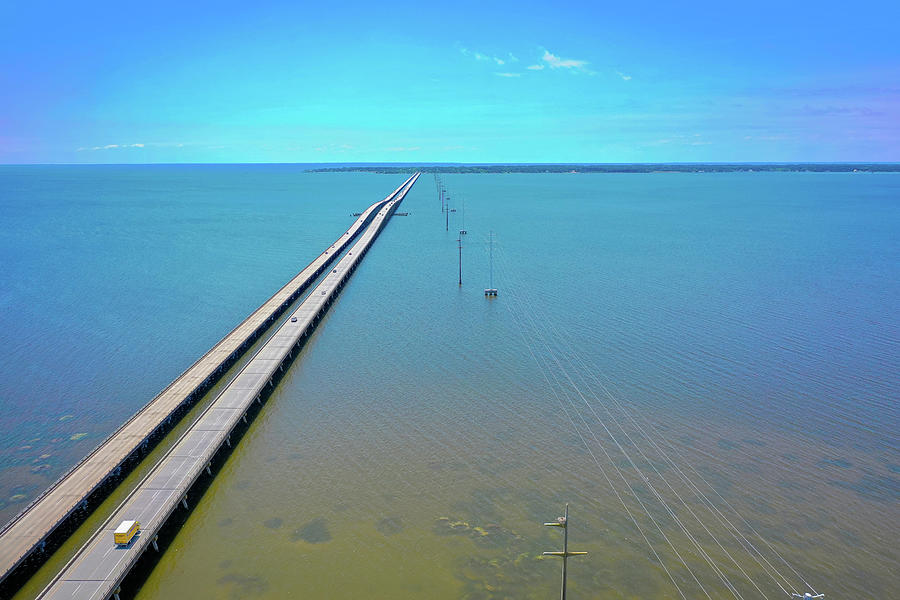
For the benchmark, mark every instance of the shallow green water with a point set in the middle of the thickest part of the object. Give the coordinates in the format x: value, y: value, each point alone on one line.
x: 744, y: 322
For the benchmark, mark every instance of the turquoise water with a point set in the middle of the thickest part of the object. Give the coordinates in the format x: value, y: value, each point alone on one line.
x: 743, y: 325
x: 115, y: 279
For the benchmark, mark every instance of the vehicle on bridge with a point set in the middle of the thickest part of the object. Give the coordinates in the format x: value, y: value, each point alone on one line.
x: 125, y: 532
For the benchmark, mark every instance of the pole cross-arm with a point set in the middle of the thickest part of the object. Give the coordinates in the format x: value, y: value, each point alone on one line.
x: 563, y: 522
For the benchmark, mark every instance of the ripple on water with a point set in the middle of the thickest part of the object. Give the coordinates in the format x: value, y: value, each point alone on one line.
x: 444, y: 412
x: 881, y: 488
x: 837, y: 462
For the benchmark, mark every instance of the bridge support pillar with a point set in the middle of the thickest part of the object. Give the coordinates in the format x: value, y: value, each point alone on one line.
x: 208, y: 469
x: 117, y: 592
x: 155, y: 547
x: 184, y: 501
x: 244, y: 416
x: 228, y: 441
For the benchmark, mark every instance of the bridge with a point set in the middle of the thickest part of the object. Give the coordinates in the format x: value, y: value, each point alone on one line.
x: 99, y: 567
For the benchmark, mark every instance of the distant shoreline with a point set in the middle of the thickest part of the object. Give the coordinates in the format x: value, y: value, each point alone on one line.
x: 401, y: 168
x: 628, y: 168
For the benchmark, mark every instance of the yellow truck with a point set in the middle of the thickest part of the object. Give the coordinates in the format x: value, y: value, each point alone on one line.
x: 125, y: 532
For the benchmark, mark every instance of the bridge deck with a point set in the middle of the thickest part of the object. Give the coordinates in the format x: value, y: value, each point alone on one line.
x: 26, y: 532
x: 98, y: 569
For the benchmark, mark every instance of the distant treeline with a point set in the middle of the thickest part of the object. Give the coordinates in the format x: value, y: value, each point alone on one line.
x: 630, y: 168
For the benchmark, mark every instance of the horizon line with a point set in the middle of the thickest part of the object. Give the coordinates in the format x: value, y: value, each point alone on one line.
x: 449, y: 163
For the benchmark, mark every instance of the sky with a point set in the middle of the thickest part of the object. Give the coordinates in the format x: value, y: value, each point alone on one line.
x: 587, y: 82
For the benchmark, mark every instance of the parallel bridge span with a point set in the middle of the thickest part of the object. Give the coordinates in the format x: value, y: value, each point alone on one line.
x: 97, y: 570
x: 30, y: 538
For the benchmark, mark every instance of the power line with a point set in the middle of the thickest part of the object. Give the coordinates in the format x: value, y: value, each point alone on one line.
x: 561, y: 341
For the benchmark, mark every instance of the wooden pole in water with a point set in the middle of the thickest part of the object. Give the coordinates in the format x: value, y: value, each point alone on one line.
x: 459, y: 239
x: 492, y: 260
x: 464, y: 213
x: 565, y: 554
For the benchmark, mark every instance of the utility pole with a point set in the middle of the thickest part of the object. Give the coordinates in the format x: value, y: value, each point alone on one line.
x: 565, y: 554
x: 463, y: 230
x: 459, y: 239
x: 448, y: 211
x: 491, y: 291
x: 492, y: 260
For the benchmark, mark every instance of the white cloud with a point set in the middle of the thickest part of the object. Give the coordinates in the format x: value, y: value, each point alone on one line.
x: 509, y: 74
x: 110, y: 147
x: 485, y: 57
x: 403, y: 149
x: 535, y: 67
x: 512, y: 57
x: 623, y: 76
x: 338, y: 148
x: 555, y: 62
x: 681, y: 139
x: 769, y: 138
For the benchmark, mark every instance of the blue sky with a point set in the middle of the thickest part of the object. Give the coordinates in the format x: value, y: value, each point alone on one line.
x: 110, y: 82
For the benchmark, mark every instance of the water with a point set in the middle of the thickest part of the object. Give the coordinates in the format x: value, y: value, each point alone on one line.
x: 415, y: 448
